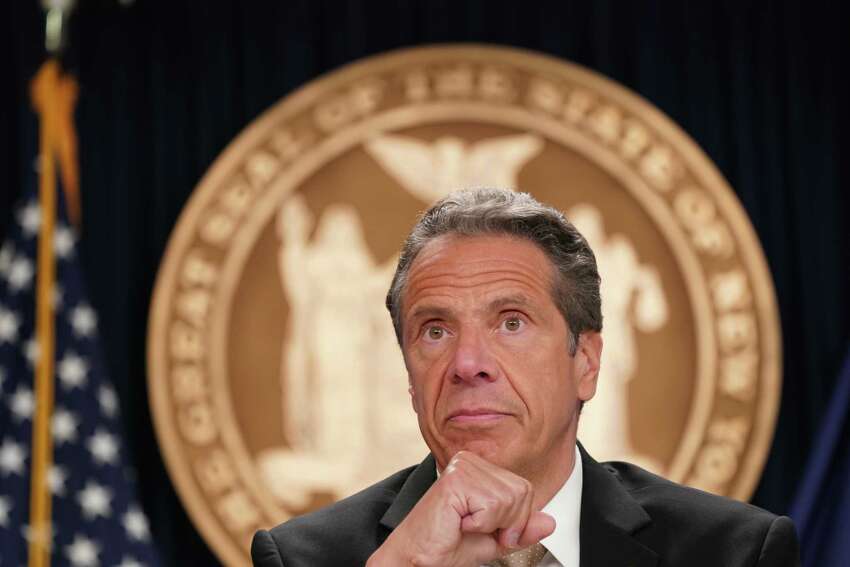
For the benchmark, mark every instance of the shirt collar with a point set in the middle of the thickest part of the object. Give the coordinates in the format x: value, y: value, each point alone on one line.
x: 565, y: 507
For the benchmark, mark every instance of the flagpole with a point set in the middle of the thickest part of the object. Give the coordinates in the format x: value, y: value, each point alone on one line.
x: 47, y: 94
x: 42, y: 446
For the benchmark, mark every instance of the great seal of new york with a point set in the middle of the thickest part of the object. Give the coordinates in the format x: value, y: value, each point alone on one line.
x: 275, y: 381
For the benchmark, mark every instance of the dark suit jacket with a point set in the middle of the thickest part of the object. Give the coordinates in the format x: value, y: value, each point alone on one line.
x: 629, y: 518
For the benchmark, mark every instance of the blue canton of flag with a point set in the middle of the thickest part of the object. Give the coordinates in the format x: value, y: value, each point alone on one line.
x: 96, y: 520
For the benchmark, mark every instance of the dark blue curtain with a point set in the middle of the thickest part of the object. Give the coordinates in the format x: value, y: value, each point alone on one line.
x: 165, y: 85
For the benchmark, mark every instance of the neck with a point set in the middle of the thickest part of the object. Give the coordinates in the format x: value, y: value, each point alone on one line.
x: 548, y: 481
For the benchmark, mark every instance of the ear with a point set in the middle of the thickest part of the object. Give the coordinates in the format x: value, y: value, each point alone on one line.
x: 412, y: 397
x: 586, y: 364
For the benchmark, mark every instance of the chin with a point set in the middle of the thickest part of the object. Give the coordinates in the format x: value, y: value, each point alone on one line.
x: 493, y: 448
x: 490, y: 450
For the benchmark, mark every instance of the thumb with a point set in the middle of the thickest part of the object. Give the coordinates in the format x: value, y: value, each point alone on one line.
x: 539, y: 526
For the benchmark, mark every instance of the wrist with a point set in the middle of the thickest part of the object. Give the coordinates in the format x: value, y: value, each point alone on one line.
x: 386, y: 556
x: 395, y: 553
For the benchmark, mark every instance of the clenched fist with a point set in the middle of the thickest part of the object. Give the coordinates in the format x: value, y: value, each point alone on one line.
x: 474, y: 513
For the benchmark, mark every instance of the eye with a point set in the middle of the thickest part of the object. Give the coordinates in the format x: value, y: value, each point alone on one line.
x: 512, y: 324
x: 435, y: 333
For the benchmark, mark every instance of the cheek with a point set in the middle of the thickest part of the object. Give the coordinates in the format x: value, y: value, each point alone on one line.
x: 425, y: 376
x: 547, y: 387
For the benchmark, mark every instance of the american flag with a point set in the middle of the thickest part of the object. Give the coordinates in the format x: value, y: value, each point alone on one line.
x: 96, y: 519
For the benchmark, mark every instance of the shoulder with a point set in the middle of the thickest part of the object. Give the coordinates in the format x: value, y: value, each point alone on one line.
x: 346, y: 532
x: 662, y: 498
x: 688, y: 519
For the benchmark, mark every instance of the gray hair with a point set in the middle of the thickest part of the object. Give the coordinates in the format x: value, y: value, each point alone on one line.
x: 575, y: 288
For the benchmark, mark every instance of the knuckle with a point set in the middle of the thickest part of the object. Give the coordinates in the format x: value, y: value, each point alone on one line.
x: 462, y: 456
x: 506, y: 502
x: 457, y: 459
x: 521, y: 489
x: 456, y: 464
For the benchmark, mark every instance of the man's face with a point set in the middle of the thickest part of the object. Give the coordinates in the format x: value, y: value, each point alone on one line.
x: 487, y: 352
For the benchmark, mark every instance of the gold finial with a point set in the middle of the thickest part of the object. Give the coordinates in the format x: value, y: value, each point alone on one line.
x: 55, y: 25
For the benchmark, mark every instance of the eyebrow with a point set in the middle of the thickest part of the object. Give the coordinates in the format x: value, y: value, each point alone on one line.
x: 429, y: 312
x: 437, y: 312
x: 511, y: 300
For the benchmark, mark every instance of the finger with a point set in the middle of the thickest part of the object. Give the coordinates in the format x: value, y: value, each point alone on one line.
x: 491, y: 511
x: 539, y: 526
x: 484, y: 496
x: 509, y: 536
x: 502, y: 509
x: 482, y: 547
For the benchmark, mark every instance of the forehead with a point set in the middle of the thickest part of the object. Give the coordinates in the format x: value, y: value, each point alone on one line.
x: 455, y: 264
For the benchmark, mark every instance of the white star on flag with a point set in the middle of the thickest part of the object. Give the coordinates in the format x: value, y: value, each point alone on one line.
x: 136, y: 524
x: 83, y: 320
x: 108, y: 400
x: 22, y: 403
x: 64, y: 426
x: 103, y: 447
x: 29, y: 218
x: 72, y: 370
x: 94, y: 501
x: 31, y: 351
x: 11, y: 458
x: 129, y: 562
x: 56, y: 478
x: 83, y: 552
x: 63, y: 241
x: 9, y: 324
x: 20, y: 274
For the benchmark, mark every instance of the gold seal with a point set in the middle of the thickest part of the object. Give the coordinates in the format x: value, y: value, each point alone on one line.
x: 275, y: 381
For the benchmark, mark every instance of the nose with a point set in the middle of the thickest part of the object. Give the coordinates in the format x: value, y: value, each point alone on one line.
x: 473, y: 359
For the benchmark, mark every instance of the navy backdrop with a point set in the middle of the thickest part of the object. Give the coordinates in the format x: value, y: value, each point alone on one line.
x: 762, y: 88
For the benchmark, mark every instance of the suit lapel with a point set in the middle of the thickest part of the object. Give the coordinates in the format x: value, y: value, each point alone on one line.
x: 609, y: 519
x: 416, y: 485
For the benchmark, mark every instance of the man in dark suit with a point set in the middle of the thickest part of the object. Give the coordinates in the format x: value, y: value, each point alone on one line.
x: 496, y: 306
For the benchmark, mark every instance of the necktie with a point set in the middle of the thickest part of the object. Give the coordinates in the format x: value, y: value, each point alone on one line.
x: 528, y: 557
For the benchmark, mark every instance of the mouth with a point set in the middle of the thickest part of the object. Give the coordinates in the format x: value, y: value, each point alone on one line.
x: 477, y: 416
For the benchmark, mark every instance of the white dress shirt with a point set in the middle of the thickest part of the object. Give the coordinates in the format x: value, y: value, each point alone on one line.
x: 563, y: 544
x: 565, y: 507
